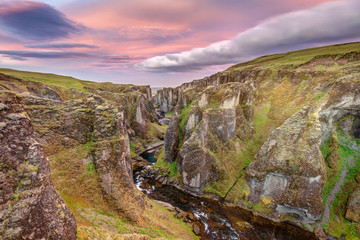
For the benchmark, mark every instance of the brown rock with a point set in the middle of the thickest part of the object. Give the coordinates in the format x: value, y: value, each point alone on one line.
x: 182, y: 215
x: 290, y: 171
x: 29, y: 204
x: 243, y: 226
x: 320, y: 234
x: 353, y: 207
x: 333, y: 159
x: 191, y: 217
x: 196, y: 229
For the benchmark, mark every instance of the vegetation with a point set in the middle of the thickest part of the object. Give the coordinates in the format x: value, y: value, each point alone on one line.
x: 171, y: 168
x: 63, y: 84
x: 299, y: 58
x: 350, y: 159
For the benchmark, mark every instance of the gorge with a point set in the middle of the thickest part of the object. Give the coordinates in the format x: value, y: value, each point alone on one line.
x: 267, y: 149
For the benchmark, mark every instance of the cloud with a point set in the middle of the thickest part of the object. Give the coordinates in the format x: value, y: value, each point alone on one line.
x: 121, y: 59
x: 116, y: 61
x: 31, y: 20
x: 324, y: 23
x: 44, y: 54
x: 61, y: 45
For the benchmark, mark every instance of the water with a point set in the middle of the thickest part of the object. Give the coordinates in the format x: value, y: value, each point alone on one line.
x: 150, y: 157
x: 218, y: 221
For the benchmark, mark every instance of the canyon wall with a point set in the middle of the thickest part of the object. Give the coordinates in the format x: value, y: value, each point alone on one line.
x: 252, y: 134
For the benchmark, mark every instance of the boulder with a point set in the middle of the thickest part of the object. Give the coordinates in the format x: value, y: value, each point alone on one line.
x: 320, y: 234
x: 196, y: 229
x: 353, y: 207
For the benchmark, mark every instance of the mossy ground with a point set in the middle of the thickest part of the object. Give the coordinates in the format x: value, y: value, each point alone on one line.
x: 338, y: 225
x: 64, y: 84
x: 170, y: 169
x: 77, y: 183
x: 298, y: 58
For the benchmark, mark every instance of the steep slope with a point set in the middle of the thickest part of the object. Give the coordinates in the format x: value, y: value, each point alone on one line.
x: 252, y: 134
x: 87, y: 130
x: 30, y: 207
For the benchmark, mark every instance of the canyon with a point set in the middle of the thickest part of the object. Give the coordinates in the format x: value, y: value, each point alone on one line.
x: 267, y: 149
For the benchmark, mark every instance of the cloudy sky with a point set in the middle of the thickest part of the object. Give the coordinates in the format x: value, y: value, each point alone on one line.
x: 163, y: 42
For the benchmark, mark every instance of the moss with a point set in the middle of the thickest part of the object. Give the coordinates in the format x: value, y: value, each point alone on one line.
x: 170, y: 169
x: 337, y: 224
x: 90, y: 167
x: 184, y: 115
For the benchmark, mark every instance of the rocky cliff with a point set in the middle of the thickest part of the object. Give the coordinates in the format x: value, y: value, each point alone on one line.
x: 90, y: 132
x: 257, y: 134
x: 30, y: 207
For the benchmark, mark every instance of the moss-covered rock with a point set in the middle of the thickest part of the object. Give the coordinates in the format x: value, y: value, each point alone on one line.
x: 353, y: 207
x: 289, y: 167
x: 30, y: 207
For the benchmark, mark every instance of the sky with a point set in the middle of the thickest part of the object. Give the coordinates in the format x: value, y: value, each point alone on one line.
x: 163, y: 43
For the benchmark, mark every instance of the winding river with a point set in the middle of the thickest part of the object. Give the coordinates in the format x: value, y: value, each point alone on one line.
x: 217, y: 220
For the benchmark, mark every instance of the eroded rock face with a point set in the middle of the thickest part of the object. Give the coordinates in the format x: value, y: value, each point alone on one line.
x: 289, y: 167
x: 209, y: 119
x: 111, y: 155
x: 30, y: 207
x: 353, y: 207
x: 104, y: 125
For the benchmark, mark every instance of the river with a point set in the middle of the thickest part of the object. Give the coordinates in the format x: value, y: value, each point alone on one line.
x: 217, y: 220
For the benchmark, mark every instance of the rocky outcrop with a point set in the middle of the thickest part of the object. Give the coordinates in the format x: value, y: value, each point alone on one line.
x: 289, y: 167
x: 103, y: 125
x: 353, y: 207
x: 111, y: 155
x: 30, y: 207
x: 102, y: 118
x: 166, y: 98
x: 206, y: 121
x: 284, y: 116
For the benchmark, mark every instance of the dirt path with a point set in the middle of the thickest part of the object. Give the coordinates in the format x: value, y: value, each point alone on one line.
x: 332, y: 195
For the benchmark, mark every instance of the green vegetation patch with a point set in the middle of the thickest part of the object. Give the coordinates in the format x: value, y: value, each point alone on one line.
x: 171, y: 168
x: 350, y: 158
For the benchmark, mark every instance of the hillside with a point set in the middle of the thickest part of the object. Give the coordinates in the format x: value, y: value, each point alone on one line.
x: 261, y: 135
x: 85, y: 135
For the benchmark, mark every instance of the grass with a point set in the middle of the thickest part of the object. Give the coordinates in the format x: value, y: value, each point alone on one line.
x: 81, y: 191
x: 184, y: 115
x: 338, y: 225
x: 297, y: 58
x: 106, y: 226
x: 171, y: 168
x: 63, y: 84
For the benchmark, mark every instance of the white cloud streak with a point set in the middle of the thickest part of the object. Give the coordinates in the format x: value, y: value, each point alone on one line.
x: 325, y: 23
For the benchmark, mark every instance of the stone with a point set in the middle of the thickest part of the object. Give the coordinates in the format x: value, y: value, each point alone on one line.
x: 3, y: 107
x: 289, y: 169
x: 243, y: 225
x: 17, y: 116
x: 191, y: 217
x: 37, y: 210
x: 353, y: 207
x: 196, y: 229
x: 182, y: 215
x: 320, y: 234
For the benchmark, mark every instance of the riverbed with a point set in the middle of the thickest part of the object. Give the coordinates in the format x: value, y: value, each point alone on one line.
x: 218, y: 220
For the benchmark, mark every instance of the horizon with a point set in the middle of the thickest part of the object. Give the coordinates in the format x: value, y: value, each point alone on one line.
x: 163, y: 44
